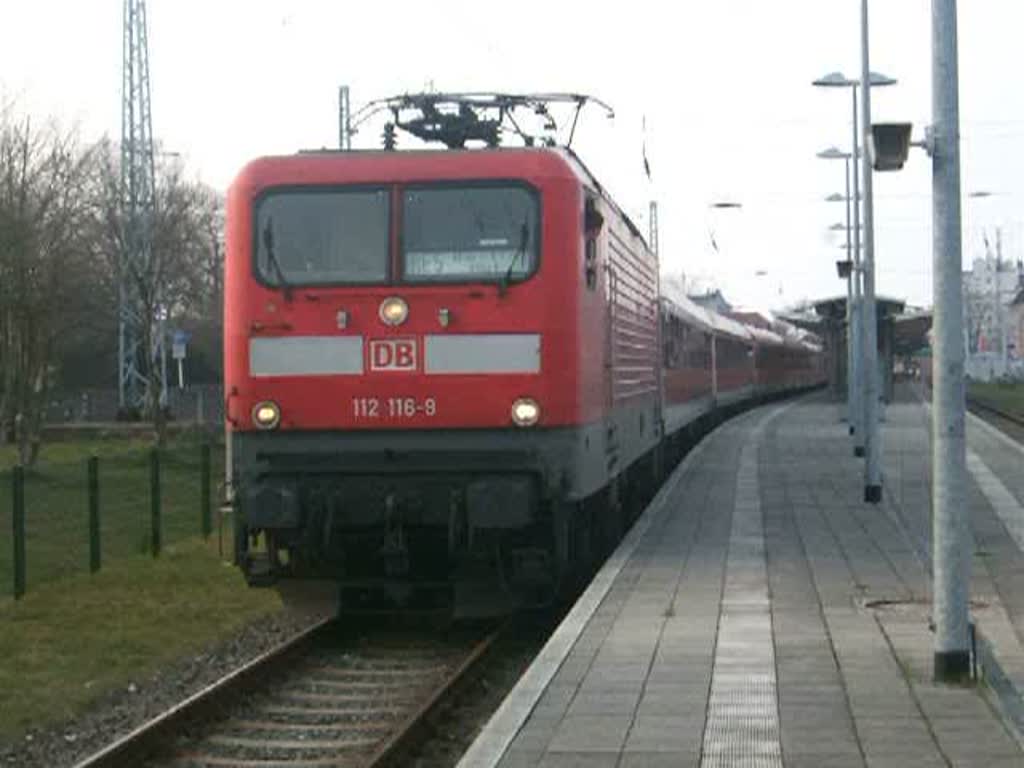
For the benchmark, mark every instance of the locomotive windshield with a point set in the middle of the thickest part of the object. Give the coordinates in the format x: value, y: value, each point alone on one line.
x: 310, y: 237
x: 452, y: 234
x: 339, y: 236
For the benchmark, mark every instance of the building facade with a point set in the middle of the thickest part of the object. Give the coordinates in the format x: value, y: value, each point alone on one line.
x: 1016, y: 322
x: 991, y: 335
x: 713, y: 300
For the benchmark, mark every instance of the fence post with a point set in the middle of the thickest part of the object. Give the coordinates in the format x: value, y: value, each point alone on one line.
x: 154, y: 501
x: 93, y: 471
x: 18, y: 501
x: 204, y: 490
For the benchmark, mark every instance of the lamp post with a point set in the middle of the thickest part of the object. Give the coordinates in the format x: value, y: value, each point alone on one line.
x: 951, y: 539
x: 867, y: 442
x: 852, y: 362
x: 951, y: 549
x: 872, y: 435
x: 854, y: 411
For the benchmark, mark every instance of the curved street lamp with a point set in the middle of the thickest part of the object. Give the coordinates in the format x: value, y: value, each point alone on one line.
x: 839, y: 80
x: 854, y: 409
x: 859, y: 387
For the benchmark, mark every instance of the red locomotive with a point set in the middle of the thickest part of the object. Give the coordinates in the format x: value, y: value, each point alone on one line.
x: 452, y: 375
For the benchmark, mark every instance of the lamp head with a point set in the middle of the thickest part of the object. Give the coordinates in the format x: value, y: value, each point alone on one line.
x: 833, y: 153
x: 834, y: 80
x: 839, y: 80
x: 878, y: 80
x: 890, y: 145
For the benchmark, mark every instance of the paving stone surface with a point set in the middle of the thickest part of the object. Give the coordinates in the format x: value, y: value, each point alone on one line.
x: 768, y: 617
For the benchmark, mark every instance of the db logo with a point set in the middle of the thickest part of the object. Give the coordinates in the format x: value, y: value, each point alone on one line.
x: 393, y: 354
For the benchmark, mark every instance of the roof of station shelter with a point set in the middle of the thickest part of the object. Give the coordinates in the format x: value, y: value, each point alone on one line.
x: 836, y: 306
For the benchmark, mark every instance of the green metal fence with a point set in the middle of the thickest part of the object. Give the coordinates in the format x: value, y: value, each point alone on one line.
x: 75, y: 513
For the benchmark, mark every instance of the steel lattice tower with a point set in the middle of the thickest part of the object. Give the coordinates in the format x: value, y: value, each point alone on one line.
x: 137, y: 201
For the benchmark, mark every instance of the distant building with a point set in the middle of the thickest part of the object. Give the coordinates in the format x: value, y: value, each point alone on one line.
x: 713, y: 300
x: 1015, y: 321
x: 990, y: 289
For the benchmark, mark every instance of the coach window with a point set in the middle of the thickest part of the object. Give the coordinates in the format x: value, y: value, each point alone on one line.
x: 469, y: 234
x: 682, y: 342
x: 306, y: 237
x: 593, y: 221
x: 671, y: 341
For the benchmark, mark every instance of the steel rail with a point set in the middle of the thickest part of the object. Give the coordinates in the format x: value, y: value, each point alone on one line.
x: 133, y: 748
x: 378, y: 743
x: 400, y: 740
x: 983, y: 405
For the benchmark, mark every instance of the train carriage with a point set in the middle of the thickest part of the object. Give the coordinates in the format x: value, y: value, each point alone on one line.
x: 688, y: 382
x: 769, y: 360
x: 734, y: 366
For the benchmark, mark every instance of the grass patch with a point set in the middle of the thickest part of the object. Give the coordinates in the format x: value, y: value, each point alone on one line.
x: 56, y: 502
x: 78, y: 450
x: 67, y: 643
x: 1005, y: 396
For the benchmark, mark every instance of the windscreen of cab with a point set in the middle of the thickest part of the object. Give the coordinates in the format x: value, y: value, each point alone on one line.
x: 342, y: 236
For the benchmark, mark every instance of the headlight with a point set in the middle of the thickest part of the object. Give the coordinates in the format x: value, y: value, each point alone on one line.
x: 266, y: 415
x: 393, y: 310
x: 525, y: 412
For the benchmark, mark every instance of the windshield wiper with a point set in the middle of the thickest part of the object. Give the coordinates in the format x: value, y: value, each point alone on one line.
x: 524, y: 237
x: 268, y: 244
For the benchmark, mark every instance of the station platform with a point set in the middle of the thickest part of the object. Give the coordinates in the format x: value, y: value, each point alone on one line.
x: 759, y: 614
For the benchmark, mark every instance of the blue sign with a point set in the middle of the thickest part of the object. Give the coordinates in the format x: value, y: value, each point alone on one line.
x: 179, y: 340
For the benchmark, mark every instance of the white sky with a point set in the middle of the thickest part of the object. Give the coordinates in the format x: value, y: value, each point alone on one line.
x: 724, y: 84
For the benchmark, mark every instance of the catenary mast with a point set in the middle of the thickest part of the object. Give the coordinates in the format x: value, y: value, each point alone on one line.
x: 137, y: 206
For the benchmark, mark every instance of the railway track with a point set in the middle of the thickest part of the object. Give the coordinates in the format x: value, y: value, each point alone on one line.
x: 320, y: 700
x: 1011, y: 424
x: 986, y: 407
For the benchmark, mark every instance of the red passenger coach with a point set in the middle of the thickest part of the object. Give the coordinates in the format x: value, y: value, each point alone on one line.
x: 438, y: 365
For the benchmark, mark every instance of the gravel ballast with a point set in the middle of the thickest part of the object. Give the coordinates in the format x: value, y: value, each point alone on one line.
x: 120, y: 711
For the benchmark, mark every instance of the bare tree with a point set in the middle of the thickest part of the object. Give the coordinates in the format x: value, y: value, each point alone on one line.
x: 204, y: 316
x: 62, y: 256
x: 43, y: 264
x: 173, y: 280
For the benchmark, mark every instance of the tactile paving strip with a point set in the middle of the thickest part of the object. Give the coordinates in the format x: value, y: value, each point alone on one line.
x: 742, y: 729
